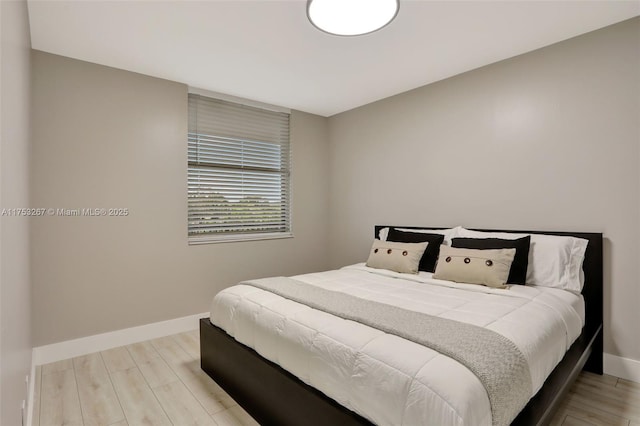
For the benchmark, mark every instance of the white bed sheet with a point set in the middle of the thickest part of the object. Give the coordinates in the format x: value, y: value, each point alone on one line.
x: 385, y: 378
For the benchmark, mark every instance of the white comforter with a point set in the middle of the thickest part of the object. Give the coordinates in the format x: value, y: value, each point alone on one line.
x: 385, y: 378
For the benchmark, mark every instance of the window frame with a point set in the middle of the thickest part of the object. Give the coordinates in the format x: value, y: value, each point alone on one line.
x: 222, y: 237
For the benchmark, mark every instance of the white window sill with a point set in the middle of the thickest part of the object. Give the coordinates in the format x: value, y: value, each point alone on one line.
x: 209, y: 239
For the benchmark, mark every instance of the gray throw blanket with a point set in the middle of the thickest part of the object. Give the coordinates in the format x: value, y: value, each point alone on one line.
x: 493, y: 358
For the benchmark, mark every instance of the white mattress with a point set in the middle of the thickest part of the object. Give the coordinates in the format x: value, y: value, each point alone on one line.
x: 385, y: 378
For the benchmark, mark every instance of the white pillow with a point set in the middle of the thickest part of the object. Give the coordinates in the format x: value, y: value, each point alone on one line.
x: 448, y: 233
x: 554, y: 261
x: 468, y: 233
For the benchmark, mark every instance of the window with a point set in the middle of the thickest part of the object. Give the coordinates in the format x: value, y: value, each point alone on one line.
x: 238, y: 173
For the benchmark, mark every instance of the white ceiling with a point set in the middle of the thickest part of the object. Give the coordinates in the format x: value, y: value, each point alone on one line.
x: 269, y: 52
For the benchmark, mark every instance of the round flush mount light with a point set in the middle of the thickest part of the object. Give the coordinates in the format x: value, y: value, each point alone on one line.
x: 351, y: 17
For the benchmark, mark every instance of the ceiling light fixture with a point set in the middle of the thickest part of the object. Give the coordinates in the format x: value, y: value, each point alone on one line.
x: 351, y: 17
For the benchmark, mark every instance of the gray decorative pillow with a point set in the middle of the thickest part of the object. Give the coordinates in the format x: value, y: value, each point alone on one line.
x: 398, y: 257
x: 485, y: 267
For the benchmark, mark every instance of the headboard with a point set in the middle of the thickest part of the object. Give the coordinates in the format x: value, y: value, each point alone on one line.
x: 592, y: 267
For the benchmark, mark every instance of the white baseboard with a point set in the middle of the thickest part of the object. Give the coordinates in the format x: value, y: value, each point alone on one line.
x: 100, y: 342
x: 625, y: 368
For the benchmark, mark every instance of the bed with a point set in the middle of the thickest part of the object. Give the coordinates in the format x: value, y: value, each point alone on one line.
x: 273, y: 395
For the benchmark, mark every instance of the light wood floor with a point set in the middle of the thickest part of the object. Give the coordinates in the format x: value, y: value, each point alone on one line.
x: 159, y: 382
x: 600, y: 400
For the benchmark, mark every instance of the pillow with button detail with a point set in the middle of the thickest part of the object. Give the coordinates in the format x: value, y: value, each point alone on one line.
x: 430, y: 256
x: 397, y: 257
x: 518, y: 271
x: 488, y: 267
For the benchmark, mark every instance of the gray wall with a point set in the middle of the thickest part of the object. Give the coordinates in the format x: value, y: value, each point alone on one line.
x: 15, y: 304
x: 548, y: 140
x: 110, y: 138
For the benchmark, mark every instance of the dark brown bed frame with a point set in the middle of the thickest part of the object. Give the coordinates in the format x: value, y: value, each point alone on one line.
x: 273, y: 396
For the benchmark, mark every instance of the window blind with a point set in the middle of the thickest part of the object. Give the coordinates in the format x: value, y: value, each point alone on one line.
x: 238, y: 172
